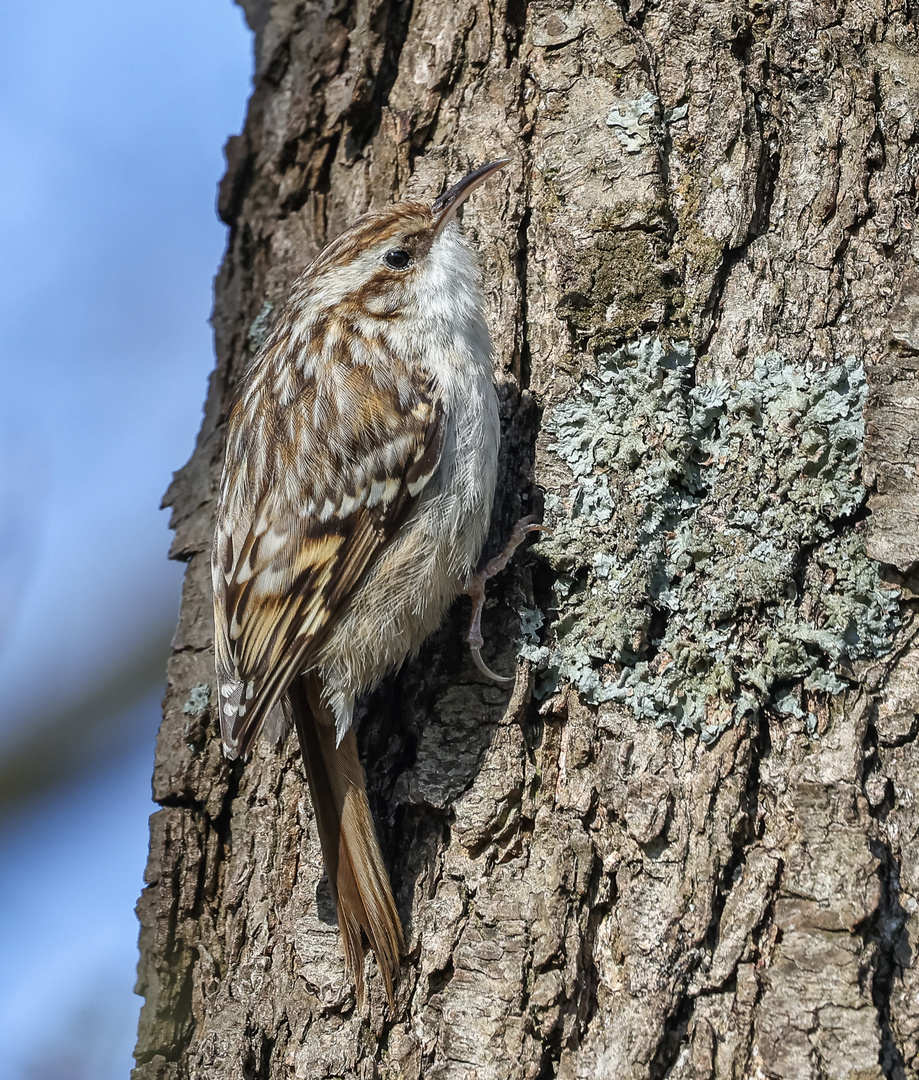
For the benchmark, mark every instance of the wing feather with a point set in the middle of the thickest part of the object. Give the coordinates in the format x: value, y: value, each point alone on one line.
x: 365, y: 445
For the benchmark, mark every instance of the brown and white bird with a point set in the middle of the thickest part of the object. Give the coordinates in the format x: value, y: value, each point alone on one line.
x: 361, y: 456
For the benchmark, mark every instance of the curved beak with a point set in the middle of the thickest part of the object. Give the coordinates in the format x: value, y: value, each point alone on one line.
x: 445, y: 206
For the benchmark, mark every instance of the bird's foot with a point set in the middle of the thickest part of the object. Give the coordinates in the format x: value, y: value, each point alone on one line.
x: 475, y: 588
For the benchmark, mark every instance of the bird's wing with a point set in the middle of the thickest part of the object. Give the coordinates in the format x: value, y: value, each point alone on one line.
x: 314, y: 489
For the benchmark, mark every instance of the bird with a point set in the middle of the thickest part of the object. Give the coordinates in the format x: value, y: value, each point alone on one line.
x: 360, y: 468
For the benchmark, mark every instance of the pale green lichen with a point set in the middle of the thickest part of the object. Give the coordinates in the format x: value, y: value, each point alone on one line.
x: 703, y: 564
x: 198, y: 699
x: 633, y: 120
x: 258, y: 330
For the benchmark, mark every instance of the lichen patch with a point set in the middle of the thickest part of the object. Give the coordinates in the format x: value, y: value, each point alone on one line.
x: 705, y: 543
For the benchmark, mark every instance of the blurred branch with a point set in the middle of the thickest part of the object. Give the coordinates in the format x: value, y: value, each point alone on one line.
x: 60, y: 744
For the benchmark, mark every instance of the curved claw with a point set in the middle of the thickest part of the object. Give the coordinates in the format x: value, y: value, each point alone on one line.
x: 502, y: 680
x: 475, y: 588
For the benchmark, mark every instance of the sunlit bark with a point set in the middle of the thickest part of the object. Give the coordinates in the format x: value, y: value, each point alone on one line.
x: 708, y: 206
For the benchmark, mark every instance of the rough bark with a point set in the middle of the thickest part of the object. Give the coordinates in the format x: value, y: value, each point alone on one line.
x: 645, y: 861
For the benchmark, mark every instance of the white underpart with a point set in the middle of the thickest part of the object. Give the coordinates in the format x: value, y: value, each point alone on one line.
x: 406, y: 594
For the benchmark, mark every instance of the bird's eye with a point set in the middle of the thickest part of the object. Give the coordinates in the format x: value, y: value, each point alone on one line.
x: 397, y: 259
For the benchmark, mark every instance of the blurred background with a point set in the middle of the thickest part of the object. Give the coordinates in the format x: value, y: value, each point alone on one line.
x: 112, y: 120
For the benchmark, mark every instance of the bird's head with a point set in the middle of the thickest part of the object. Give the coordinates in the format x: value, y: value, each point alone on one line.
x: 407, y: 258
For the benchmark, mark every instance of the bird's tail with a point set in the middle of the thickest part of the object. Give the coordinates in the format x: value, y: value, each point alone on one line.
x: 353, y: 860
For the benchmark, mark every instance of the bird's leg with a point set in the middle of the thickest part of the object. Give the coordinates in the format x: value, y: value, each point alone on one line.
x: 475, y: 588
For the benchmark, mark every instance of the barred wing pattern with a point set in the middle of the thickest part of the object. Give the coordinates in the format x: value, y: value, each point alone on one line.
x: 299, y: 524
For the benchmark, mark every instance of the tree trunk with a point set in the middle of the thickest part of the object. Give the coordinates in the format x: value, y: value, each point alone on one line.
x: 686, y: 844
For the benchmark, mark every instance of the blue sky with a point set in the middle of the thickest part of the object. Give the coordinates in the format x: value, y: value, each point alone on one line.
x: 112, y: 120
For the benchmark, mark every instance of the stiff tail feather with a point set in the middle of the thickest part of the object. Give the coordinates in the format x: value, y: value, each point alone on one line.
x: 353, y: 860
